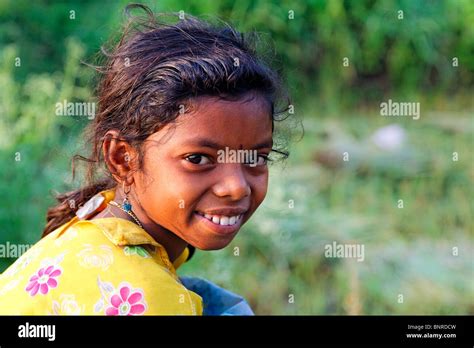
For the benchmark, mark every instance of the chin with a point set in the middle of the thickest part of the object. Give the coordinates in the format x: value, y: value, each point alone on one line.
x: 208, y: 245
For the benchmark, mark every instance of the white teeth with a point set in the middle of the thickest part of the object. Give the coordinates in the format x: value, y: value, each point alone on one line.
x: 222, y: 220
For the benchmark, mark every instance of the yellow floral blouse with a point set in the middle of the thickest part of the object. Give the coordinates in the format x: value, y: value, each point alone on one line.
x: 107, y: 266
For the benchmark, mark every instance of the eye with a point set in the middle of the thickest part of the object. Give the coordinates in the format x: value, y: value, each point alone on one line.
x: 261, y: 161
x: 198, y: 159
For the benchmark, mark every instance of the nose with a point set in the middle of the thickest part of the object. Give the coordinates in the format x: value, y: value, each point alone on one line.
x: 232, y: 183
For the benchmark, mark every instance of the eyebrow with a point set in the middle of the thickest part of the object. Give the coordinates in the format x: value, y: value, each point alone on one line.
x: 202, y: 142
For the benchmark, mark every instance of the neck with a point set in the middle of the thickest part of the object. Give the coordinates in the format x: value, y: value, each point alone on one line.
x: 173, y: 245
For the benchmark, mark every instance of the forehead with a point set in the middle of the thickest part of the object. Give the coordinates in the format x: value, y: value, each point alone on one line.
x: 242, y: 122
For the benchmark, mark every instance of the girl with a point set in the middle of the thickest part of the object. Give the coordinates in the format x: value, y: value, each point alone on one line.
x: 171, y: 99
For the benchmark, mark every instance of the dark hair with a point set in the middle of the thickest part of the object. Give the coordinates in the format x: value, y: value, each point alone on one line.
x: 155, y: 69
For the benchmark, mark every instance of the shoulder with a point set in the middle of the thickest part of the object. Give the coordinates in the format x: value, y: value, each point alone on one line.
x: 83, y: 271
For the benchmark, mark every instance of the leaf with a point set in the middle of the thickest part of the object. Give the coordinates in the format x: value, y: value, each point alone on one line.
x: 99, y: 305
x: 142, y: 252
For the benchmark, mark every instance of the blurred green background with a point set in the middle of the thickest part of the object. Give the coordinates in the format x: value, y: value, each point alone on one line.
x: 319, y: 195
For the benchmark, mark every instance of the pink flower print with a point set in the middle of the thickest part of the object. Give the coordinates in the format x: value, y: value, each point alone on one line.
x: 126, y: 302
x: 43, y: 280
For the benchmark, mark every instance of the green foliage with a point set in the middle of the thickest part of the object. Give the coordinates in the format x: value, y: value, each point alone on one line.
x: 387, y: 54
x: 31, y: 136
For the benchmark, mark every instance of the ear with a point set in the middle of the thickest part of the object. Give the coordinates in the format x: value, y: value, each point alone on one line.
x: 120, y: 157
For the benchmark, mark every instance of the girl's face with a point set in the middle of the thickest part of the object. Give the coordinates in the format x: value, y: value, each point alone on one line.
x: 190, y: 187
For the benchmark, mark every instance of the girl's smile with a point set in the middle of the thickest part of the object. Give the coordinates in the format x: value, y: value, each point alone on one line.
x: 221, y: 223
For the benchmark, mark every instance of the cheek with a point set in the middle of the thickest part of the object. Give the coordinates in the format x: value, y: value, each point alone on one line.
x: 167, y: 192
x: 259, y: 188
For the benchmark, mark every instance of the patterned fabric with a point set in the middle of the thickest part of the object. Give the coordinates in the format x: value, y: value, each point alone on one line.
x: 107, y: 266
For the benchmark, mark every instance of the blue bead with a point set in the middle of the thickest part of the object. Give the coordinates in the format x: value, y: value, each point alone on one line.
x: 127, y: 206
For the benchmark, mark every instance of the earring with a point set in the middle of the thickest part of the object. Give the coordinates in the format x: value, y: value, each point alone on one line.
x: 126, y: 203
x: 126, y: 206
